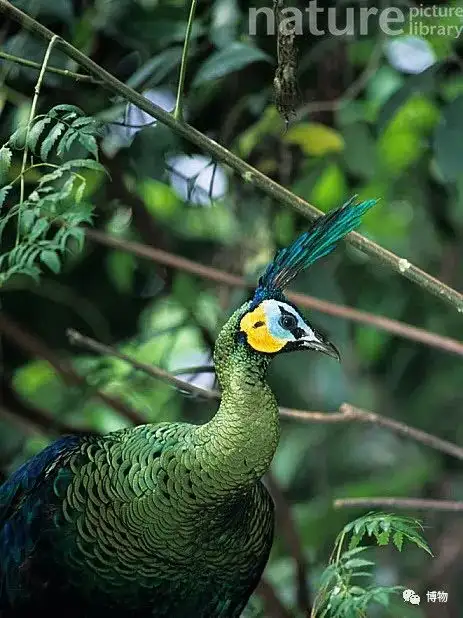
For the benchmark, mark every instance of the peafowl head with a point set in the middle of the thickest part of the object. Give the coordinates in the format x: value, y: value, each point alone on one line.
x: 269, y: 323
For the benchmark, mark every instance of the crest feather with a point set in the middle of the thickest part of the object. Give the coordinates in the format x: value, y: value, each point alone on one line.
x: 317, y: 242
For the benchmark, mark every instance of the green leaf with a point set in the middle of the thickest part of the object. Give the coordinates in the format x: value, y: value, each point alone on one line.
x: 51, y: 259
x: 29, y: 257
x: 18, y: 139
x: 80, y: 191
x: 39, y: 228
x: 157, y: 68
x: 353, y: 552
x: 418, y: 114
x: 357, y: 590
x: 84, y: 121
x: 330, y: 188
x: 67, y: 188
x: 66, y: 141
x: 355, y: 540
x: 228, y: 60
x: 85, y: 163
x: 328, y: 575
x: 89, y: 143
x: 4, y: 193
x: 36, y: 131
x: 5, y: 162
x: 315, y: 139
x: 50, y: 140
x: 398, y: 150
x: 356, y: 563
x: 59, y: 171
x: 398, y: 540
x: 383, y: 537
x: 268, y: 124
x: 78, y: 234
x: 56, y: 111
x: 27, y: 219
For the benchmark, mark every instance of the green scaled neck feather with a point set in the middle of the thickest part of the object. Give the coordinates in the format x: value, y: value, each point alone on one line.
x: 167, y: 520
x: 245, y: 431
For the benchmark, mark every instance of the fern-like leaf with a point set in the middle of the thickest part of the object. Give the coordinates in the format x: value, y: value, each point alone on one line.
x: 5, y: 162
x: 51, y: 259
x: 3, y: 194
x: 35, y: 132
x: 51, y: 139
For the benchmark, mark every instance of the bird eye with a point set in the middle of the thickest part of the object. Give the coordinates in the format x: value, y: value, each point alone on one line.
x: 288, y: 321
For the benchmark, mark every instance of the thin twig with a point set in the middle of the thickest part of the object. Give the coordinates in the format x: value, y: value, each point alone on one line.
x: 79, y: 77
x: 400, y: 503
x: 82, y: 341
x: 400, y: 329
x: 37, y: 88
x: 428, y: 439
x: 178, y: 111
x: 37, y: 349
x: 246, y: 171
x: 346, y: 412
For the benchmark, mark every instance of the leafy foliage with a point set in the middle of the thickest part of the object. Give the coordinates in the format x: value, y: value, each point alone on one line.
x: 53, y: 212
x: 340, y: 594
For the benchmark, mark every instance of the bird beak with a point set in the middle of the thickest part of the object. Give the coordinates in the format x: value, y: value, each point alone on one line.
x: 325, y: 347
x: 319, y: 345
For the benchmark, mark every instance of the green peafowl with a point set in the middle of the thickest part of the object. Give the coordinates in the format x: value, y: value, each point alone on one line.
x: 167, y: 520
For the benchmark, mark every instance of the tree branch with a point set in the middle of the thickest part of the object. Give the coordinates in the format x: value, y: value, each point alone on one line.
x: 35, y: 348
x: 246, y: 171
x: 212, y: 274
x: 346, y: 411
x: 82, y: 341
x: 400, y: 503
x: 78, y: 77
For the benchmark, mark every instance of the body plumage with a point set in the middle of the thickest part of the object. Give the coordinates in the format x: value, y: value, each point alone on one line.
x: 169, y: 519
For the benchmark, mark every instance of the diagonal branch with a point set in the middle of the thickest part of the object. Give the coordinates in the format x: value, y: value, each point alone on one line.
x: 35, y: 348
x: 346, y: 411
x: 207, y: 272
x: 243, y: 169
x: 401, y: 503
x: 76, y: 338
x: 78, y: 77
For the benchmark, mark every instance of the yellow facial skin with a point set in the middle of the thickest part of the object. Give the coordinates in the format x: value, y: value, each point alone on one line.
x: 254, y: 324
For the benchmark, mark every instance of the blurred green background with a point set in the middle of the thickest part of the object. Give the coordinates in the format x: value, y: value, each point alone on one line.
x: 380, y: 116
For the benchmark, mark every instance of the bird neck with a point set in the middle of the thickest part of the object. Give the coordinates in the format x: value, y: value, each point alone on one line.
x: 242, y: 437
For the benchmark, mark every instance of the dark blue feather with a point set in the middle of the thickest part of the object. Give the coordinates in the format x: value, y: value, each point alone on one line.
x: 317, y: 242
x: 22, y: 500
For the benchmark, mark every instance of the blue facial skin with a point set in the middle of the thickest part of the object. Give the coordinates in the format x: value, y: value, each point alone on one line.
x: 276, y: 329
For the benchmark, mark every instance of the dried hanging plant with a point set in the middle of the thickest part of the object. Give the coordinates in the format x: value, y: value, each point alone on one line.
x: 285, y: 82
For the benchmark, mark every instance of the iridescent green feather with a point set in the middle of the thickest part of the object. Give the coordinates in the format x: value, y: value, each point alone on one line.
x: 310, y: 246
